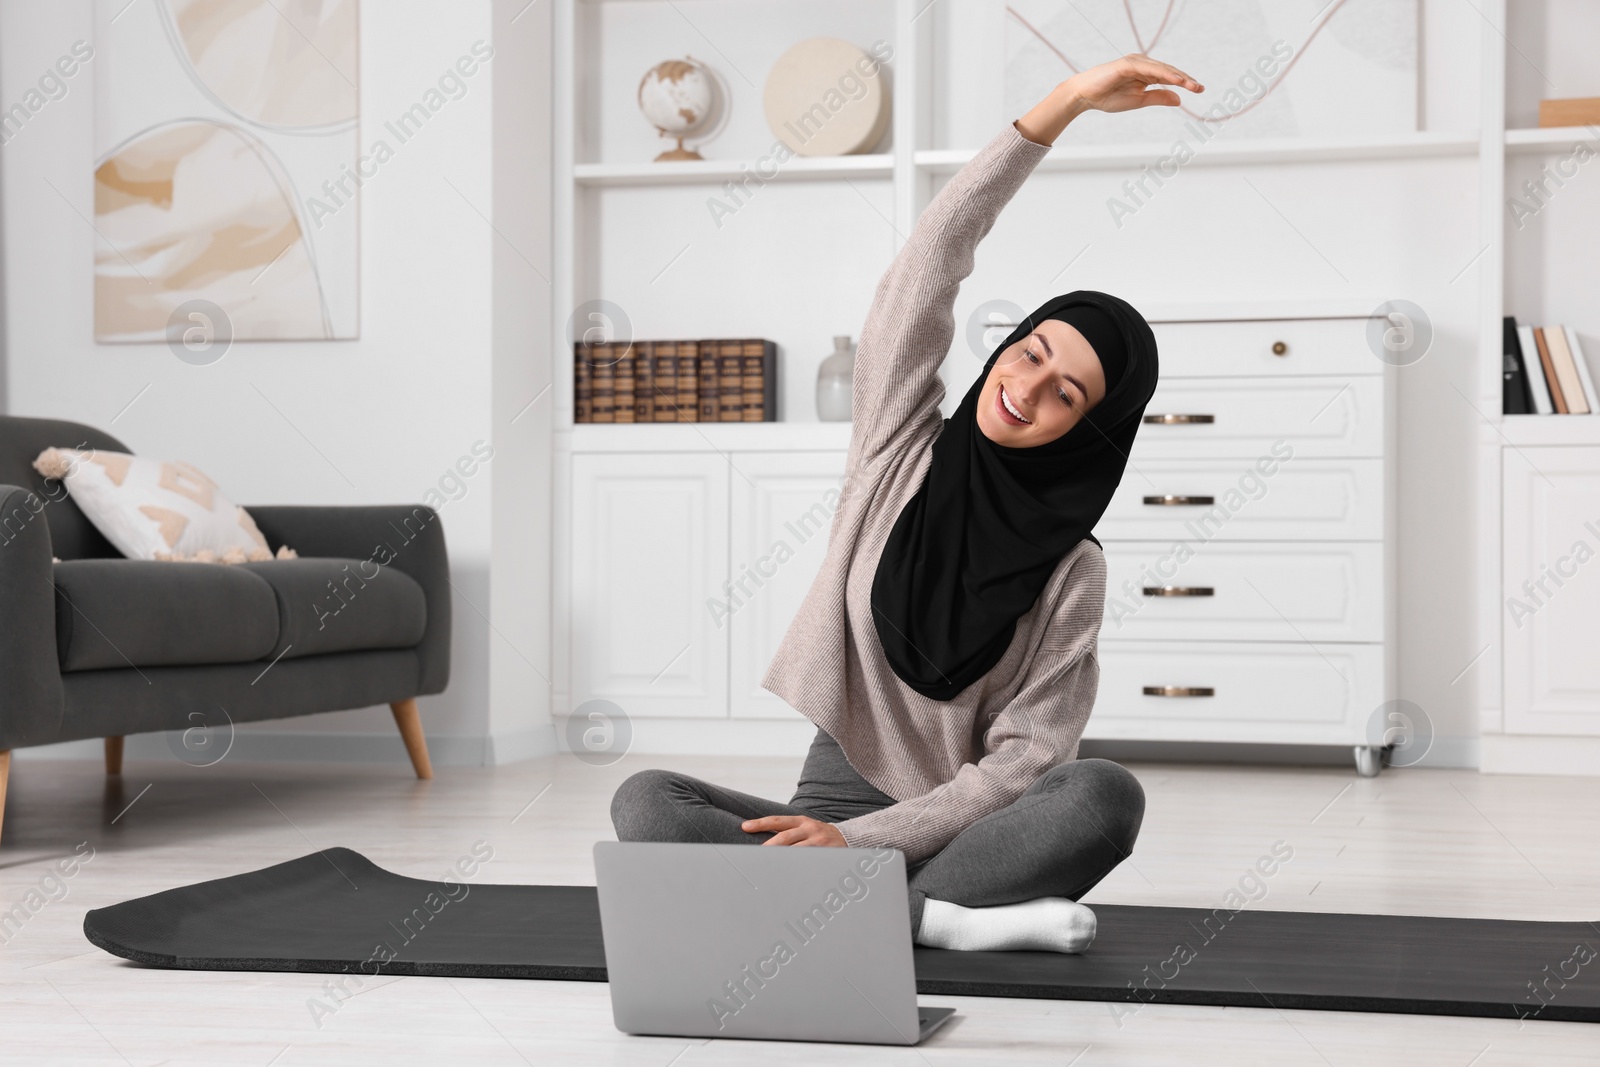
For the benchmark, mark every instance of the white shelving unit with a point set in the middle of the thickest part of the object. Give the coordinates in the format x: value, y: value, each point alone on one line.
x: 639, y: 235
x: 1539, y: 697
x: 606, y: 182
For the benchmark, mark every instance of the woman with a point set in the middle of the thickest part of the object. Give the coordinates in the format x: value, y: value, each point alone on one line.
x: 947, y: 649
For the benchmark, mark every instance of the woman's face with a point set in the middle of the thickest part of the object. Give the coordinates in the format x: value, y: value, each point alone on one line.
x: 1040, y: 387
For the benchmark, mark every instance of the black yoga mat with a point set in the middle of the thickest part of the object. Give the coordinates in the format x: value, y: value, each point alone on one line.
x: 336, y: 911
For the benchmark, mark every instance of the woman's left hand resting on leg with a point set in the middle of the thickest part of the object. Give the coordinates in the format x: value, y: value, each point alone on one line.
x: 795, y: 830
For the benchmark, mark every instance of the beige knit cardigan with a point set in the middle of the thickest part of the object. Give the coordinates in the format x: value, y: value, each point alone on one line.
x: 947, y: 763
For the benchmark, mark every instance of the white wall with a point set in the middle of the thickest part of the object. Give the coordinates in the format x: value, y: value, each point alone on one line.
x: 377, y: 420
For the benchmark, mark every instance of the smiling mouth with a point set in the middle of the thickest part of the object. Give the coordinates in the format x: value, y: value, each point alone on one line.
x: 1008, y: 411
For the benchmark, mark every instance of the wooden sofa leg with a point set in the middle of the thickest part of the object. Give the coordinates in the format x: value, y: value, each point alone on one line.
x: 5, y: 776
x: 114, y: 755
x: 409, y: 719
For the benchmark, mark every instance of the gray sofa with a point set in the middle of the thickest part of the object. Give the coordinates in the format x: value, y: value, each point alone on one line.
x: 97, y: 645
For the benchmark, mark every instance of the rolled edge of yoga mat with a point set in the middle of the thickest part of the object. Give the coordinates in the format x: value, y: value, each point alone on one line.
x: 336, y: 911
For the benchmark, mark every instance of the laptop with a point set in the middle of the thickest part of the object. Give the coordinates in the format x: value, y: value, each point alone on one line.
x: 740, y: 941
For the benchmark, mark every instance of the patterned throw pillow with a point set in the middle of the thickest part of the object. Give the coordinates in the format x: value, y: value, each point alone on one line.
x: 149, y: 509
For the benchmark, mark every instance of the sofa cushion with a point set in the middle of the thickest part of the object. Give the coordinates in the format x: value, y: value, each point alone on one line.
x: 152, y: 509
x: 328, y: 605
x: 125, y: 612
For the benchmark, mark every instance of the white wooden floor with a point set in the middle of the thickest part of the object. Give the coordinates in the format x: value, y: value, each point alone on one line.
x: 1411, y: 842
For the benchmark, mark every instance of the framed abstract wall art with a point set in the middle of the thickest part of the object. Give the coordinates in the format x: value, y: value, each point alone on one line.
x: 216, y: 123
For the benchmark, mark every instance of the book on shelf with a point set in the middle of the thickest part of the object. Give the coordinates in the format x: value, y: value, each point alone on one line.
x: 1572, y: 111
x: 759, y: 379
x: 1528, y: 356
x: 602, y: 373
x: 644, y: 382
x: 706, y: 390
x: 583, y: 383
x: 1514, y: 397
x: 1548, y: 361
x: 730, y: 380
x: 1584, y: 375
x: 663, y: 381
x: 686, y: 407
x: 703, y: 380
x: 622, y: 377
x: 1572, y: 385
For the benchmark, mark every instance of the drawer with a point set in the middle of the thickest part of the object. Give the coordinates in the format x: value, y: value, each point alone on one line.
x: 1276, y: 497
x: 1191, y: 418
x: 1231, y: 349
x: 1244, y: 592
x: 1259, y: 691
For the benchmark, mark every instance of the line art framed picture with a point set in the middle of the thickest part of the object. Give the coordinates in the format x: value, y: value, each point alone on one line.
x: 1321, y: 68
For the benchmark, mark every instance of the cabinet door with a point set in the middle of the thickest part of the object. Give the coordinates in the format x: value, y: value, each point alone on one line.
x: 1550, y: 610
x: 649, y: 545
x: 782, y: 509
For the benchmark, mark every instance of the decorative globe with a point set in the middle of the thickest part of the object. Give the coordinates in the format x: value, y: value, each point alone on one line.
x: 679, y: 98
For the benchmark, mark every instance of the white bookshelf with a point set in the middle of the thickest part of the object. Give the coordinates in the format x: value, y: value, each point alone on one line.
x: 1531, y: 467
x: 804, y: 267
x: 605, y: 180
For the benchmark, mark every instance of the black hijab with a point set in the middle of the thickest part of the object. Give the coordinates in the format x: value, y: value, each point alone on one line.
x: 972, y: 550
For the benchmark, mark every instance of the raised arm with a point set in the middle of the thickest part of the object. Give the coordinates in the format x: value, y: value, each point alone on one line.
x: 912, y: 323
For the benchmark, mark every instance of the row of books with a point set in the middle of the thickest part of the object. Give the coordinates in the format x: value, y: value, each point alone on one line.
x: 719, y: 380
x: 1545, y: 372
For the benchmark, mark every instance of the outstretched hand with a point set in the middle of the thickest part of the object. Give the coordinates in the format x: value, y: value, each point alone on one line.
x: 795, y: 830
x: 1125, y: 84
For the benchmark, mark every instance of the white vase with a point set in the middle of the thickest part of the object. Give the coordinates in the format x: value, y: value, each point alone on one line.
x: 834, y: 379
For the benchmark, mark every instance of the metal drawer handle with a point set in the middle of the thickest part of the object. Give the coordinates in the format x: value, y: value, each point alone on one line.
x: 1179, y: 590
x: 1179, y: 691
x: 1176, y: 420
x: 1177, y: 499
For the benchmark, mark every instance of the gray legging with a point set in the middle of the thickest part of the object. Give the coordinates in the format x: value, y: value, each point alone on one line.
x: 1060, y: 838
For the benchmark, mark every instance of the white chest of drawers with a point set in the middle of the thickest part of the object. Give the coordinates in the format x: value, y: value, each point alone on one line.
x: 1249, y: 549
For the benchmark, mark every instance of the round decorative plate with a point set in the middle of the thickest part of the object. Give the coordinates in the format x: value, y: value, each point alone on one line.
x: 820, y: 103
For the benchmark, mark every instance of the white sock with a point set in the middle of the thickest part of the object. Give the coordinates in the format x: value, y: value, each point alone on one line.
x: 1047, y: 924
